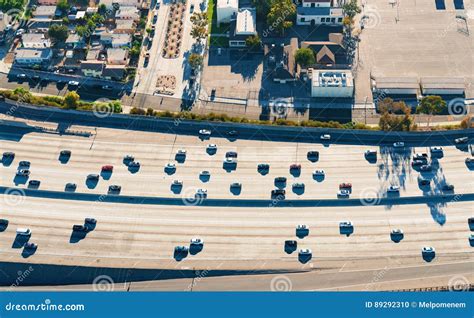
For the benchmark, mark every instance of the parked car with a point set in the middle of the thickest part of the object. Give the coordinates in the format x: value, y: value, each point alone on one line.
x: 428, y: 250
x: 197, y: 241
x: 204, y: 132
x: 280, y: 180
x: 424, y: 182
x: 295, y: 166
x: 70, y: 187
x: 65, y: 153
x: 325, y: 137
x: 204, y: 173
x: 345, y: 224
x: 24, y: 163
x: 90, y: 221
x: 3, y: 223
x: 345, y: 185
x: 263, y: 167
x: 304, y: 252
x: 34, y: 183
x: 462, y: 140
x: 8, y: 155
x: 128, y: 158
x: 134, y: 164
x: 30, y: 246
x: 212, y: 147
x: 436, y: 150
x: 181, y: 153
x: 229, y: 160
x: 23, y: 231
x: 201, y: 193
x: 343, y: 194
x: 426, y: 168
x: 23, y: 173
x: 278, y: 193
x: 114, y: 189
x: 370, y: 153
x: 420, y: 156
x: 398, y: 144
x: 231, y: 154
x: 312, y: 155
x: 396, y: 232
x: 93, y: 177
x: 79, y: 228
x: 318, y: 173
x: 298, y: 185
x: 170, y: 166
x: 177, y: 183
x: 107, y: 168
x: 448, y: 187
x: 291, y: 243
x: 236, y: 185
x: 393, y: 189
x: 469, y: 161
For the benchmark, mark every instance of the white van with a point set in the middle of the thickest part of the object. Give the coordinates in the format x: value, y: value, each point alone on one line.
x: 23, y: 231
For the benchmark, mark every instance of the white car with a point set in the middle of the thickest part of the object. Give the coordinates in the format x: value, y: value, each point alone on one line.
x: 343, y: 193
x: 345, y: 224
x: 318, y: 173
x: 205, y: 132
x: 325, y: 137
x: 212, y: 147
x: 23, y: 231
x: 73, y: 83
x: 428, y: 250
x: 399, y: 144
x: 177, y: 183
x: 197, y: 241
x: 301, y: 227
x: 21, y: 75
x: 393, y: 189
x: 170, y: 166
x: 370, y: 153
x: 305, y: 251
x: 201, y: 193
x: 181, y: 152
x: 230, y: 160
x: 396, y: 232
x: 436, y: 150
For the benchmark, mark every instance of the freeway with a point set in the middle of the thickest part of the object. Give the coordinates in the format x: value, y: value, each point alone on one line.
x: 237, y: 238
x: 245, y: 131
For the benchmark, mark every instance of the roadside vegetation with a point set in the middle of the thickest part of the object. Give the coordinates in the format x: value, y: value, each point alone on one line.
x: 70, y: 101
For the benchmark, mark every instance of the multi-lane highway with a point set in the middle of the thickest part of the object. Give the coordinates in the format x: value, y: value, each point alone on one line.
x: 236, y: 238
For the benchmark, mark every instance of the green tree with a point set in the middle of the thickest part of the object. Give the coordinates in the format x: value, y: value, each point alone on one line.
x: 102, y: 10
x: 253, y: 41
x: 6, y: 5
x: 199, y: 32
x: 195, y: 60
x: 351, y: 9
x: 199, y: 19
x: 71, y: 100
x: 395, y: 116
x: 64, y: 6
x: 58, y: 32
x: 281, y: 14
x: 431, y: 105
x: 305, y: 57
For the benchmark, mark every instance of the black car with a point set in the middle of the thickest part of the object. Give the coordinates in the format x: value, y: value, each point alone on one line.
x: 9, y: 155
x: 313, y: 155
x: 424, y: 182
x: 31, y: 246
x: 115, y: 189
x: 448, y: 187
x: 128, y: 158
x: 71, y: 186
x: 278, y: 193
x: 426, y: 168
x: 417, y: 163
x: 65, y: 153
x: 90, y: 221
x: 231, y: 154
x: 263, y: 167
x: 470, y: 221
x: 24, y: 163
x: 23, y: 173
x: 34, y: 183
x: 469, y: 161
x: 291, y: 243
x: 280, y: 180
x: 3, y: 222
x: 93, y: 177
x: 79, y: 228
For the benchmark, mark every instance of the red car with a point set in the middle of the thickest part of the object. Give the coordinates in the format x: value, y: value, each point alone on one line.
x: 295, y: 167
x: 107, y: 168
x: 345, y: 186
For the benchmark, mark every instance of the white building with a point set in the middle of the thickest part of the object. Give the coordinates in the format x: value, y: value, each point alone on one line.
x: 226, y: 10
x: 443, y: 85
x: 334, y: 83
x: 314, y: 12
x: 35, y: 41
x: 44, y: 12
x: 244, y: 26
x: 396, y: 85
x: 127, y: 13
x: 30, y: 57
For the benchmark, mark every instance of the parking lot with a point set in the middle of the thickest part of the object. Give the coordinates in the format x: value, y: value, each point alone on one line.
x: 415, y: 40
